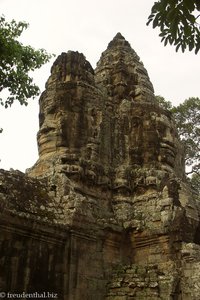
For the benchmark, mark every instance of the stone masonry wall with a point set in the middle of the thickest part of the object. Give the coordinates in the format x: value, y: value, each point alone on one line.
x: 106, y: 211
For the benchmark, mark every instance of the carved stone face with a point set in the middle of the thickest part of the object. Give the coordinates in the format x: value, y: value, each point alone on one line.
x: 107, y: 117
x: 167, y: 147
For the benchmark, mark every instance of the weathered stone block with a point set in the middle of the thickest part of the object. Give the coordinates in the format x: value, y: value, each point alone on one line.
x: 106, y: 212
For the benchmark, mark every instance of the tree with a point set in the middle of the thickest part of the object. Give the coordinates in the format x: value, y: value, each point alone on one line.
x: 177, y: 21
x: 187, y: 117
x: 195, y: 184
x: 16, y: 61
x: 164, y: 103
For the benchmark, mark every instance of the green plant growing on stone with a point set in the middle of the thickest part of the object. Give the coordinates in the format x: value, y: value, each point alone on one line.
x: 177, y: 22
x: 16, y: 61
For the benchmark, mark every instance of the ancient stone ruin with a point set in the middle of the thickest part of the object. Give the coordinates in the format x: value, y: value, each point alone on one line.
x: 105, y: 213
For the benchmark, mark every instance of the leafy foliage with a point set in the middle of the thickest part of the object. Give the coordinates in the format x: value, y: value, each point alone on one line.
x: 187, y: 116
x: 164, y: 103
x: 195, y: 184
x: 177, y: 23
x: 16, y: 61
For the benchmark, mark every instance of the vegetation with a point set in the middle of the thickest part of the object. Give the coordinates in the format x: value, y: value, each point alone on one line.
x: 195, y: 184
x: 187, y: 118
x: 177, y: 22
x: 164, y: 103
x: 16, y: 61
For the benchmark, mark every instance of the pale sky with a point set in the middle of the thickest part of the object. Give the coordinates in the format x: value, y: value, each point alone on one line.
x: 88, y: 26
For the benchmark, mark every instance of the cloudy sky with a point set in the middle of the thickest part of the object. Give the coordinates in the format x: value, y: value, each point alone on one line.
x: 87, y: 26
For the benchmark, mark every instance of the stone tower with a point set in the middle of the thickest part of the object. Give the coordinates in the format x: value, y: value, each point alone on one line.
x: 108, y: 192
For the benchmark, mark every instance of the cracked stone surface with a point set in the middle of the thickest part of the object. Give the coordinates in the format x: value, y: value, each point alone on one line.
x: 105, y: 212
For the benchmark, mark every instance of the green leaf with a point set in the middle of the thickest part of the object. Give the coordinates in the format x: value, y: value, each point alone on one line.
x: 191, y: 45
x: 177, y: 47
x: 171, y: 14
x: 166, y: 41
x: 197, y: 48
x: 171, y: 40
x: 189, y: 4
x: 155, y: 21
x: 156, y: 7
x: 174, y: 27
x: 183, y: 47
x: 163, y: 39
x: 16, y: 61
x: 149, y: 21
x: 178, y: 18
